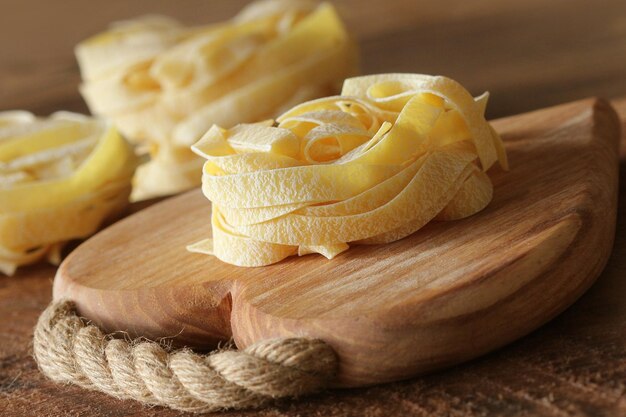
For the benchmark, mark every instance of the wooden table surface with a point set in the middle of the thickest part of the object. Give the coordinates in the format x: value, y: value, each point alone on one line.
x: 529, y: 54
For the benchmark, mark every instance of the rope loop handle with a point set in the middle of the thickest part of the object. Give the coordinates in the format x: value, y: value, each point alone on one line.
x: 70, y: 350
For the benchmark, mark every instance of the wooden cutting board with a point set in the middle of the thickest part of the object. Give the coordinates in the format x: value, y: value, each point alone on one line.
x: 446, y: 294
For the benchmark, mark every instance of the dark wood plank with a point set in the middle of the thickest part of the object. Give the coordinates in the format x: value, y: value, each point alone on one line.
x: 529, y: 54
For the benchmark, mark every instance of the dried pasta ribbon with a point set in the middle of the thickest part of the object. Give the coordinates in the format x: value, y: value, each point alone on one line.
x: 164, y: 84
x: 60, y: 177
x: 373, y: 165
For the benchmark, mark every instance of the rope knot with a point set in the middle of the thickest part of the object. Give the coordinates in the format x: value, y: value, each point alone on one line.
x: 69, y: 350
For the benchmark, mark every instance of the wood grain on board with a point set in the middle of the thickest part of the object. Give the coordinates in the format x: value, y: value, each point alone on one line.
x: 447, y: 293
x: 573, y: 366
x: 529, y: 54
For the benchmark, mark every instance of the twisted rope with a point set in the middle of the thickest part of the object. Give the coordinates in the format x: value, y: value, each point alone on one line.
x: 70, y: 350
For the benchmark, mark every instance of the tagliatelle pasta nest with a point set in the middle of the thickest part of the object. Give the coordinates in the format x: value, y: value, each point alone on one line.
x: 164, y: 84
x: 60, y: 177
x: 370, y: 166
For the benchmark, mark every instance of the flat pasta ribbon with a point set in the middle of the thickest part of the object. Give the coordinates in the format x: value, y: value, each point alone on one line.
x: 164, y: 84
x: 60, y: 178
x: 373, y: 165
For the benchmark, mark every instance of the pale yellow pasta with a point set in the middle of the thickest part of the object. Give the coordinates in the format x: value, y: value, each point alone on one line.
x: 60, y: 178
x: 164, y: 85
x: 370, y: 166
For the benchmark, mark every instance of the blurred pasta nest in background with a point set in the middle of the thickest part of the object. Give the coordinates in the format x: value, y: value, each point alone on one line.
x: 60, y: 178
x: 164, y: 85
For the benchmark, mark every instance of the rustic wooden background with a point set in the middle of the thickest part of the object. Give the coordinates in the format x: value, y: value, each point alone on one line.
x: 529, y: 54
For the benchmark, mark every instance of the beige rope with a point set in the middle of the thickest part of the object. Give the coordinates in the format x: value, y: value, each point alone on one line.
x: 70, y: 350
